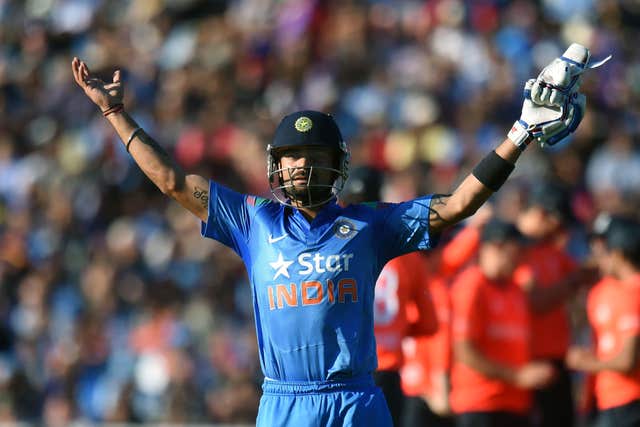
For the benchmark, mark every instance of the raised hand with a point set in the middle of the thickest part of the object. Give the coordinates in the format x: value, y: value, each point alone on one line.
x: 562, y: 77
x: 546, y: 124
x: 106, y: 95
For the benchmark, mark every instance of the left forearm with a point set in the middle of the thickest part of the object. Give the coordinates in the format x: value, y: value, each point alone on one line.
x: 474, y: 190
x: 508, y: 151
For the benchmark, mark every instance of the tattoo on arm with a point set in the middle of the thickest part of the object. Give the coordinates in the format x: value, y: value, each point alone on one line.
x: 438, y: 201
x: 202, y: 195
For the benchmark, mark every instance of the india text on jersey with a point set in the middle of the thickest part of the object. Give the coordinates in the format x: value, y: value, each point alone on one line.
x: 312, y: 292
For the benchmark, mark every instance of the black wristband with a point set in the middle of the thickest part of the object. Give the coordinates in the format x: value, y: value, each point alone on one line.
x: 493, y: 171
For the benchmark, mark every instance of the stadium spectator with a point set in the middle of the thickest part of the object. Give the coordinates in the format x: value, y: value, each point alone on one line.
x: 492, y: 368
x: 554, y: 278
x: 426, y: 372
x: 614, y: 313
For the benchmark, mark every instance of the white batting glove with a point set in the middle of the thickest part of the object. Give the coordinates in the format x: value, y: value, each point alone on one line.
x: 546, y: 124
x: 563, y: 76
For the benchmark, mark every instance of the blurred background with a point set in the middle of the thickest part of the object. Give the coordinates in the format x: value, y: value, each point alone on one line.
x: 112, y: 307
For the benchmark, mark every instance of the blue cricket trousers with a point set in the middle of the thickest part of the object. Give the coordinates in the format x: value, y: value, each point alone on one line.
x: 355, y: 402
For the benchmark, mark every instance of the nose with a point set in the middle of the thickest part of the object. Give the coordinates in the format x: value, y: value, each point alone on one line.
x: 301, y: 162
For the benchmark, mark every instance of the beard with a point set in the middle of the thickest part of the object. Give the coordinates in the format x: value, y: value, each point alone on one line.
x: 307, y: 186
x: 306, y: 190
x: 308, y: 194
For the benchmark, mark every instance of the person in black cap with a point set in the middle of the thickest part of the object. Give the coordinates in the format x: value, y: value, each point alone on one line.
x: 492, y: 370
x: 556, y: 278
x: 623, y: 242
x: 313, y: 264
x: 613, y: 309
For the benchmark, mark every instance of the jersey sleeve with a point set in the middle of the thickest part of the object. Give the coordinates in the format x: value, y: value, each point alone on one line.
x: 405, y: 227
x: 228, y: 217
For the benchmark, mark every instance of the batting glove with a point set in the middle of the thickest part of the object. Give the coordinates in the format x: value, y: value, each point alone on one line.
x: 563, y: 76
x: 546, y: 124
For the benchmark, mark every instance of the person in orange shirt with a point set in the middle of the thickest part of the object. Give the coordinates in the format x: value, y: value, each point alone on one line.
x: 492, y: 371
x: 427, y: 361
x: 426, y: 372
x: 554, y: 278
x: 402, y: 305
x: 586, y: 404
x: 613, y: 309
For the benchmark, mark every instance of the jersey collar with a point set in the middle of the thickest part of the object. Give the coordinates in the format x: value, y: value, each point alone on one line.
x: 328, y: 213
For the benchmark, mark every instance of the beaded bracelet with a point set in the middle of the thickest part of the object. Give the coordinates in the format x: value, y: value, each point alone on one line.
x: 113, y: 109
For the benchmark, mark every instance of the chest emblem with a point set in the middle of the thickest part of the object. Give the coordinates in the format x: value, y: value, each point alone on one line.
x: 344, y: 229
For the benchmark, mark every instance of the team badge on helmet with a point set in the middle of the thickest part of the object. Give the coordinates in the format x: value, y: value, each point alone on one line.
x: 303, y: 124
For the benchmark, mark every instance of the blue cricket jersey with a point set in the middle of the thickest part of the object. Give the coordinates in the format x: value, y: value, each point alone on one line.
x: 313, y: 283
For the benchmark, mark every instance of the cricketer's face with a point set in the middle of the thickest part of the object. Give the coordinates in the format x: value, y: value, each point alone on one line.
x: 307, y: 173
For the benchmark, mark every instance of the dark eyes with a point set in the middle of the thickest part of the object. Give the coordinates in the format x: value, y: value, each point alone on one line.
x: 311, y: 154
x: 293, y: 154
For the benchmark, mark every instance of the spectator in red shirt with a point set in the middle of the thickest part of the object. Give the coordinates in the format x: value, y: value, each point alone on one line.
x: 613, y: 309
x: 427, y: 362
x: 492, y: 369
x: 426, y: 372
x: 554, y: 278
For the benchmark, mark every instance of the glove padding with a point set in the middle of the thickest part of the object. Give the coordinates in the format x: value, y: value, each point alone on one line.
x: 563, y: 76
x: 546, y: 124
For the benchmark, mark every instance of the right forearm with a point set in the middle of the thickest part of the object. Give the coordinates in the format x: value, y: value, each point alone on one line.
x: 191, y: 191
x: 152, y: 159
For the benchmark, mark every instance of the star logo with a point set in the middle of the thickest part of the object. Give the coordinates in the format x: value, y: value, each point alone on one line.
x: 281, y: 267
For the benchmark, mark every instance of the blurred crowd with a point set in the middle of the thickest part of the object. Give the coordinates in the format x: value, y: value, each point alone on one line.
x: 112, y: 307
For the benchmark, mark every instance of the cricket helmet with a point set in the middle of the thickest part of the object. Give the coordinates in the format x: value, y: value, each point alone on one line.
x: 307, y: 129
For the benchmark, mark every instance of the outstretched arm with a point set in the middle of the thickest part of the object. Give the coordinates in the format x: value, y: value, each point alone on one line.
x: 191, y: 191
x: 469, y: 196
x: 552, y: 109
